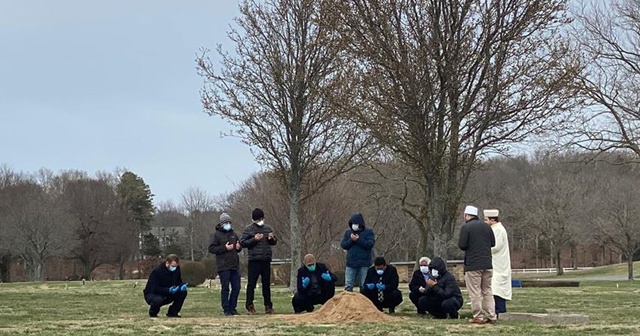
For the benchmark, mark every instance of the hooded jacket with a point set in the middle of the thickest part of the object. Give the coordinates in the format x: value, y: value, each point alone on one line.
x: 476, y: 240
x: 447, y: 286
x: 225, y: 260
x: 359, y: 252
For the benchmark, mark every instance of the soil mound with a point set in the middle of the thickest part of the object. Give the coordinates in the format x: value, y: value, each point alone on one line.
x: 344, y: 307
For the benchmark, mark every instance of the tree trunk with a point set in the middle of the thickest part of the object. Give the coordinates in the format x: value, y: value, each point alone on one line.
x: 630, y: 265
x: 5, y: 267
x: 604, y: 256
x: 574, y: 262
x: 294, y: 212
x: 423, y: 243
x: 191, y: 242
x: 559, y: 268
x: 121, y: 269
x: 537, y: 252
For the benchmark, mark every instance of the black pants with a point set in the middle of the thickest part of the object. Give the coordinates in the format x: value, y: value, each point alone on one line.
x: 414, y: 297
x: 391, y: 299
x: 229, y: 299
x: 439, y: 308
x: 302, y: 303
x: 501, y: 304
x: 260, y: 269
x: 156, y: 301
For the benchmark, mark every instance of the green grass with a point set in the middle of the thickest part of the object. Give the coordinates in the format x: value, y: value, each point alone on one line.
x: 604, y: 271
x: 116, y: 308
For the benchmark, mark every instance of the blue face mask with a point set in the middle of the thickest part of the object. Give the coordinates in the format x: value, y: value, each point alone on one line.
x: 311, y: 268
x: 226, y: 227
x: 173, y: 268
x: 380, y: 272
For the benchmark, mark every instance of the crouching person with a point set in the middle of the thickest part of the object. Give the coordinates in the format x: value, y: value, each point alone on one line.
x: 316, y: 285
x: 165, y: 286
x: 418, y: 284
x: 442, y: 297
x: 381, y: 286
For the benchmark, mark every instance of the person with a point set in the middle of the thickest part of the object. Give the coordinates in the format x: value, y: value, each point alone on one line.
x: 501, y: 261
x: 225, y: 245
x: 259, y: 238
x: 358, y: 240
x: 165, y: 286
x: 476, y: 240
x: 418, y: 283
x: 381, y: 286
x: 315, y: 283
x: 442, y: 297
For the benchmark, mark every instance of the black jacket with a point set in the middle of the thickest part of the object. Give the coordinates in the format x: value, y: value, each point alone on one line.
x: 161, y: 279
x: 389, y: 278
x: 447, y: 286
x: 476, y: 240
x: 258, y: 250
x: 417, y: 281
x: 225, y: 260
x: 316, y: 279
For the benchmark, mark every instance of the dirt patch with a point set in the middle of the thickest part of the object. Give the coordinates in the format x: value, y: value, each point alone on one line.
x: 345, y: 307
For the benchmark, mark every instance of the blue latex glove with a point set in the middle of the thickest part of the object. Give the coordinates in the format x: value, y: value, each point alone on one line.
x: 370, y: 286
x: 183, y: 288
x: 326, y: 276
x: 305, y: 282
x: 174, y: 289
x: 381, y: 286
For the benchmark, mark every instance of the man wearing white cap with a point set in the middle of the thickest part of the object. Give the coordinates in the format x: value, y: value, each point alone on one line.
x: 501, y: 279
x: 476, y: 240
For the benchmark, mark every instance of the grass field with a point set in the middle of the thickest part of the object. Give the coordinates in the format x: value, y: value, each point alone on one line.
x: 618, y: 271
x: 116, y: 308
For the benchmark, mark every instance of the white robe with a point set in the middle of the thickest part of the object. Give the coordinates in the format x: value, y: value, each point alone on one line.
x: 501, y: 279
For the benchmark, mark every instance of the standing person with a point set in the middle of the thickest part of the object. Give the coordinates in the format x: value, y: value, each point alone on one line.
x: 165, y: 286
x: 258, y: 238
x: 476, y: 240
x: 442, y: 297
x: 225, y: 244
x: 316, y: 285
x: 358, y: 240
x: 501, y: 259
x: 418, y: 284
x: 381, y: 286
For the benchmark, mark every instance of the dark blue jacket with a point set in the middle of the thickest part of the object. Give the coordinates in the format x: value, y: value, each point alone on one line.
x: 161, y: 279
x: 359, y: 252
x: 323, y: 285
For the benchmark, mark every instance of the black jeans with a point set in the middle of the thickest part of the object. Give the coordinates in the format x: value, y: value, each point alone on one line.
x: 156, y: 301
x: 302, y: 302
x: 501, y: 304
x: 439, y: 308
x: 392, y: 298
x: 260, y: 269
x: 415, y: 297
x: 229, y: 300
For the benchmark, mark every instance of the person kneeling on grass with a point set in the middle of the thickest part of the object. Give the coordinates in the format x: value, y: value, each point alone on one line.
x: 165, y: 286
x: 442, y: 297
x: 418, y: 284
x: 381, y: 286
x: 316, y: 285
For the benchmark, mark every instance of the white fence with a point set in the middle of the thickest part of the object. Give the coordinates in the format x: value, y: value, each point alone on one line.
x: 546, y: 270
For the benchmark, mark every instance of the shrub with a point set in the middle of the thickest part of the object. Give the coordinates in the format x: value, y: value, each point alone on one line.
x: 193, y: 272
x: 210, y: 267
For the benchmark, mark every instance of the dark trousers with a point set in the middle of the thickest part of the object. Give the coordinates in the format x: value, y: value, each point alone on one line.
x: 501, y: 304
x: 229, y: 300
x: 392, y: 298
x: 156, y: 301
x: 415, y: 297
x: 301, y: 302
x: 439, y: 308
x: 260, y: 269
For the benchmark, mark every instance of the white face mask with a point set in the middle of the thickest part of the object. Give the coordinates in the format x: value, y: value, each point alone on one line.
x: 424, y: 269
x: 226, y: 227
x: 260, y: 223
x: 355, y: 227
x: 435, y: 273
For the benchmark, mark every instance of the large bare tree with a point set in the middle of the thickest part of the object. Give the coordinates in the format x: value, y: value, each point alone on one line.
x: 284, y: 88
x: 444, y: 82
x: 197, y: 203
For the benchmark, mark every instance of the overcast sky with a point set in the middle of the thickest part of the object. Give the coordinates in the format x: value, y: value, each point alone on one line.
x: 95, y: 85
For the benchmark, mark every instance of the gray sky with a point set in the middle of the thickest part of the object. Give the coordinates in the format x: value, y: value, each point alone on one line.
x: 100, y: 84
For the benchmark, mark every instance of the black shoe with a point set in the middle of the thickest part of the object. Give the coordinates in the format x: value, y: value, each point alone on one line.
x: 228, y: 313
x: 234, y: 312
x: 421, y: 313
x: 153, y: 315
x: 173, y: 316
x: 454, y: 316
x: 392, y: 311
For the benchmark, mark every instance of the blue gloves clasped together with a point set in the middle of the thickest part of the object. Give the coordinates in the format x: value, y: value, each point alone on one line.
x: 175, y: 289
x: 306, y: 281
x: 380, y: 286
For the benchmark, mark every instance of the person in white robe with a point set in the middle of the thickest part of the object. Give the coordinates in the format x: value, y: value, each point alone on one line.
x: 501, y: 280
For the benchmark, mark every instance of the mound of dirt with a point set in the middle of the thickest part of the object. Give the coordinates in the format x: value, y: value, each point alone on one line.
x: 343, y: 308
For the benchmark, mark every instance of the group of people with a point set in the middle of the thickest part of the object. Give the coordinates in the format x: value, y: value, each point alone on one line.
x: 433, y: 289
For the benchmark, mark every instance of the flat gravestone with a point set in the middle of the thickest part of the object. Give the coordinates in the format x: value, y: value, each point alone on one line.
x: 558, y: 319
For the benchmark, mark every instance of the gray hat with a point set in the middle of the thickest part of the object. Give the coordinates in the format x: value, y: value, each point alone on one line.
x: 225, y: 218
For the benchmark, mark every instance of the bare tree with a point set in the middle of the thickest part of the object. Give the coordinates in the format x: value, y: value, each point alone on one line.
x: 447, y: 81
x: 607, y: 33
x: 284, y: 90
x: 196, y: 203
